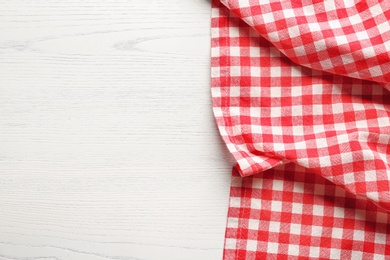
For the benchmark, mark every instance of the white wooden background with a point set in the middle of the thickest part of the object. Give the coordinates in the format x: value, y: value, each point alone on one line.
x: 108, y: 146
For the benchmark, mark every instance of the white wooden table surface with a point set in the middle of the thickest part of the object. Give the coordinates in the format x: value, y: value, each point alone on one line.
x: 108, y: 146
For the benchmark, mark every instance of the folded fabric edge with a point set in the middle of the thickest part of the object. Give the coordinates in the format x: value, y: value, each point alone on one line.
x: 376, y: 73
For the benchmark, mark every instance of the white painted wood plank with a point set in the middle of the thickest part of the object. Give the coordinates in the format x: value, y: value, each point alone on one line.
x: 108, y: 146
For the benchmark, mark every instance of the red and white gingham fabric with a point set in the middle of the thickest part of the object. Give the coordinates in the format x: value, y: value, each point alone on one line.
x: 288, y: 213
x: 299, y: 89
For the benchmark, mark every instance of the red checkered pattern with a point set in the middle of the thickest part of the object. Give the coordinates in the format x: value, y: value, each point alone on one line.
x: 302, y: 84
x: 346, y: 37
x: 289, y: 213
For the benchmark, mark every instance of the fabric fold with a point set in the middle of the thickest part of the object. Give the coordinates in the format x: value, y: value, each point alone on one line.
x: 307, y: 118
x: 271, y: 110
x: 349, y: 38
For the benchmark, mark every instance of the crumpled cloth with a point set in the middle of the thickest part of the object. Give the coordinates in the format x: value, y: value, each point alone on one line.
x: 300, y: 93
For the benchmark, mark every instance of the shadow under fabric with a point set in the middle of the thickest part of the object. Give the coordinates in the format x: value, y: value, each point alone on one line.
x: 301, y: 97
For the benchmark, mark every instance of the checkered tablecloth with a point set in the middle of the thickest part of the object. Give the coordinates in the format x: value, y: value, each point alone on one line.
x: 300, y: 95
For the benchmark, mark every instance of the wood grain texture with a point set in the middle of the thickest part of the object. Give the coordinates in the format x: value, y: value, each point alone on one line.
x: 108, y: 146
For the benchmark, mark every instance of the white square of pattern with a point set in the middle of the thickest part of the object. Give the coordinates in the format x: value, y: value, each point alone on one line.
x: 254, y: 52
x: 268, y: 17
x: 279, y: 146
x: 378, y: 257
x: 277, y: 185
x: 255, y: 203
x: 375, y: 71
x: 337, y: 233
x: 254, y: 112
x: 300, y: 50
x: 272, y: 248
x: 316, y: 231
x: 308, y: 10
x: 355, y: 19
x: 235, y: 51
x: 325, y: 161
x: 296, y: 72
x: 358, y: 107
x: 383, y: 27
x: 314, y: 27
x: 253, y: 224
x: 251, y: 245
x: 320, y: 45
x: 295, y: 229
x: 337, y: 108
x: 274, y: 226
x: 294, y: 31
x: 296, y: 208
x: 234, y: 32
x: 276, y: 91
x: 358, y: 235
x: 216, y: 73
x: 321, y: 142
x: 288, y: 13
x: 215, y: 53
x: 335, y: 253
x: 318, y: 129
x: 293, y: 250
x: 318, y: 210
x: 299, y: 187
x: 317, y: 109
x: 230, y: 243
x: 232, y: 223
x: 314, y: 252
x: 296, y: 111
x: 300, y: 145
x: 235, y: 202
x: 357, y: 255
x: 277, y: 130
x: 347, y: 58
x: 236, y: 130
x: 256, y: 129
x: 244, y: 164
x: 276, y: 72
x: 346, y: 158
x: 380, y: 238
x: 348, y: 178
x: 235, y: 91
x: 370, y: 176
x: 362, y: 35
x: 235, y: 71
x: 329, y: 6
x: 373, y: 195
x: 338, y: 212
x: 297, y: 130
x: 274, y: 36
x: 217, y: 111
x: 326, y: 64
x: 349, y: 3
x: 248, y: 20
x: 255, y: 71
x: 276, y: 206
x: 255, y: 91
x: 303, y: 161
x: 317, y: 89
x: 243, y: 3
x: 362, y: 124
x: 257, y: 183
x: 215, y: 32
x: 335, y: 24
x: 341, y: 39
